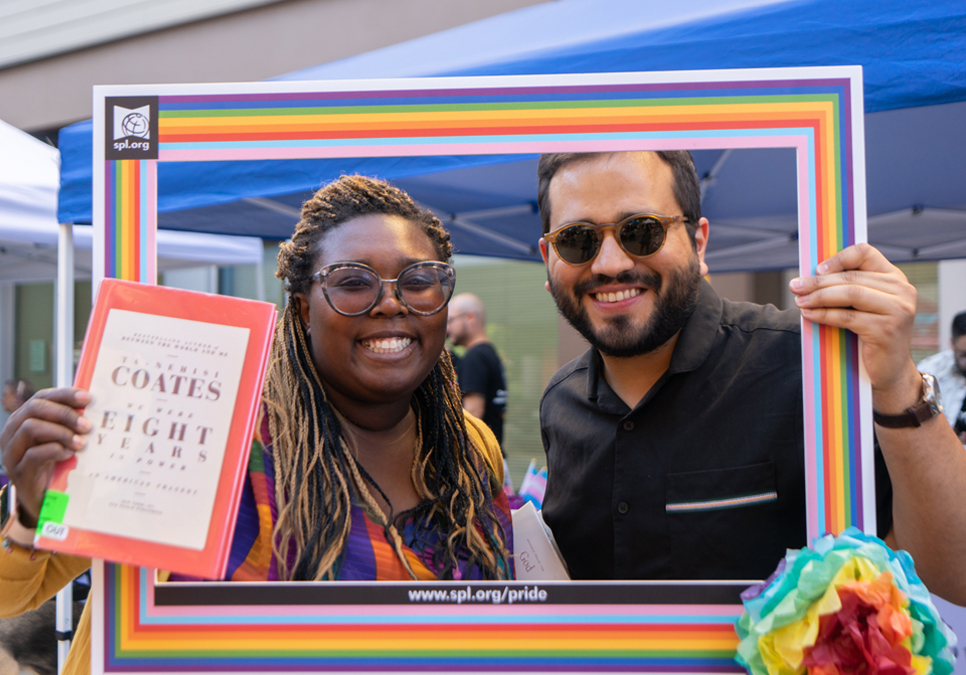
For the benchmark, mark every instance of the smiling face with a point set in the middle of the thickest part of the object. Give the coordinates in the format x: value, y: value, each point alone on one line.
x: 384, y: 355
x: 624, y: 306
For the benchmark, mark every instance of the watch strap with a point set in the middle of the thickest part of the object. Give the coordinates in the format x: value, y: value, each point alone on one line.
x: 910, y: 417
x: 913, y: 416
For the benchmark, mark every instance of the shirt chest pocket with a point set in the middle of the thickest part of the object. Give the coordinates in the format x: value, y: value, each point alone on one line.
x: 724, y: 523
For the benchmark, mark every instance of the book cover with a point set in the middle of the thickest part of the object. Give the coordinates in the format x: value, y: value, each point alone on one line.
x: 175, y: 377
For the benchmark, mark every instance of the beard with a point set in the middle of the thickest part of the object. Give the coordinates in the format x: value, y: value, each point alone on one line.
x: 675, y: 299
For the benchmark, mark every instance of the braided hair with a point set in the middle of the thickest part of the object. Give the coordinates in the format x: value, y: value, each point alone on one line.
x: 317, y: 475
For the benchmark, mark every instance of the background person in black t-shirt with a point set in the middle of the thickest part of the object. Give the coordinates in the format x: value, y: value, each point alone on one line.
x: 480, y: 371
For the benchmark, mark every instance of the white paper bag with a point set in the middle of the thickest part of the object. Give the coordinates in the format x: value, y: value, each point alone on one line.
x: 535, y: 553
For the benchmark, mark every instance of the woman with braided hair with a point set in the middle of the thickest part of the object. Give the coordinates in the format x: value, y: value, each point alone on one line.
x: 367, y: 427
x: 365, y: 466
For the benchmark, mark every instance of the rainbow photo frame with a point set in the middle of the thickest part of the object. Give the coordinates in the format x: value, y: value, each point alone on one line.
x: 680, y: 627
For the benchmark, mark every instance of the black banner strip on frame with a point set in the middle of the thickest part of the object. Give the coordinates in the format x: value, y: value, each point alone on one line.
x: 451, y: 593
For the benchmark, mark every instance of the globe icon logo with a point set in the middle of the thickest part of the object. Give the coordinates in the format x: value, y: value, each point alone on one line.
x: 135, y: 124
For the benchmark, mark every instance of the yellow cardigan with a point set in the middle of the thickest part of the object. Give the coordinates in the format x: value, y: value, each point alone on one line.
x: 26, y: 584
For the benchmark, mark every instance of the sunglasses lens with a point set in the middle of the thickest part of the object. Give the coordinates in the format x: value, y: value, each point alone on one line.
x: 642, y: 236
x: 577, y: 244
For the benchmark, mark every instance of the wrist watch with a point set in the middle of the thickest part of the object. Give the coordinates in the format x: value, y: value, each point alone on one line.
x: 15, y: 531
x: 930, y: 405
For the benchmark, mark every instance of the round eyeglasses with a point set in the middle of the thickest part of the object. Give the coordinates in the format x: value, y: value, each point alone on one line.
x: 641, y: 236
x: 352, y: 289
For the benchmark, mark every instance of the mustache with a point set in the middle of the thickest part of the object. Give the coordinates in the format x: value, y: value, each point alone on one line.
x: 650, y: 279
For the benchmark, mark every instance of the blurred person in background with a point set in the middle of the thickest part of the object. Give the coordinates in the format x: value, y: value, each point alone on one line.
x: 15, y: 394
x: 949, y: 368
x: 480, y: 370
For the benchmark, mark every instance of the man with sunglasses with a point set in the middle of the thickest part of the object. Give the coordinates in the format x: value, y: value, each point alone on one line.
x: 675, y: 444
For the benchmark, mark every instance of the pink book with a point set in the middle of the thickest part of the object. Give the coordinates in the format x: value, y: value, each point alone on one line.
x: 176, y: 378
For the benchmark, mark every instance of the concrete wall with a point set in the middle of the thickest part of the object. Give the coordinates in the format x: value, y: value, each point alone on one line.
x: 30, y: 31
x: 245, y: 46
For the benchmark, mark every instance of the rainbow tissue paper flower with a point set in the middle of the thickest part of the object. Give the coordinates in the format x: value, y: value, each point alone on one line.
x: 849, y: 604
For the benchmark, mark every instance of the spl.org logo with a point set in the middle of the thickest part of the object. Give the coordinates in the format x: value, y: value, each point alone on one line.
x: 132, y: 127
x: 131, y: 124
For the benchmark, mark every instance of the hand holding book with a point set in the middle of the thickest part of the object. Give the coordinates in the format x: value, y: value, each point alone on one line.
x: 47, y: 429
x: 144, y: 463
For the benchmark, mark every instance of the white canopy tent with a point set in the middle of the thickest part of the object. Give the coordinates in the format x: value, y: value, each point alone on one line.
x: 29, y: 236
x: 35, y: 248
x: 29, y: 183
x: 29, y: 254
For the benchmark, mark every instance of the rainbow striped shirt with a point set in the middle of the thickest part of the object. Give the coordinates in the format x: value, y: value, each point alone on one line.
x: 368, y: 556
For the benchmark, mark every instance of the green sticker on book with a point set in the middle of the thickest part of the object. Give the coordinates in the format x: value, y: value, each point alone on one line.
x: 53, y: 509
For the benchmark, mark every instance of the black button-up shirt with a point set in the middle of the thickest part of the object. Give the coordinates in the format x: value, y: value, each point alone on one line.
x: 705, y: 477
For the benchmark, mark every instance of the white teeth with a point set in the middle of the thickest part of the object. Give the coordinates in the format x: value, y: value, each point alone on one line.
x: 387, y: 345
x: 617, y: 297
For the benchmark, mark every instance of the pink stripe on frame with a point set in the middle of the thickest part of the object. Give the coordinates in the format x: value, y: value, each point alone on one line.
x: 812, y: 504
x: 806, y: 241
x: 522, y: 147
x: 149, y: 201
x: 547, y: 613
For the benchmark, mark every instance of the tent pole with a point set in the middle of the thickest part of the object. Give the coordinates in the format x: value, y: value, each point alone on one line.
x: 65, y: 377
x: 260, y: 276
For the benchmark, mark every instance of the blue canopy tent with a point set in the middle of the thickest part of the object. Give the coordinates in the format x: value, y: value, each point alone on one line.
x: 912, y: 53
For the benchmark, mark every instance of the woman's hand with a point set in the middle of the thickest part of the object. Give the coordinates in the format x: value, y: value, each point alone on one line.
x: 45, y: 430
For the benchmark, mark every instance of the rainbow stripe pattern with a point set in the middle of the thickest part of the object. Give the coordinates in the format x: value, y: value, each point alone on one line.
x: 230, y: 627
x: 817, y: 111
x: 130, y: 215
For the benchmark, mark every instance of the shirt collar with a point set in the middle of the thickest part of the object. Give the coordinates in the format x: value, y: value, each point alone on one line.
x: 697, y: 337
